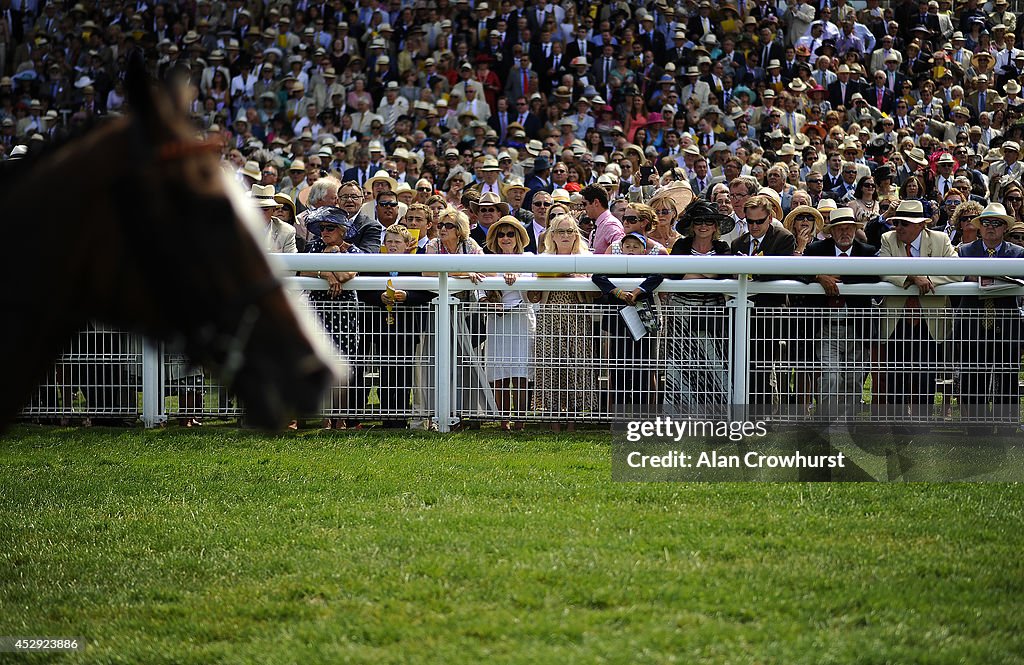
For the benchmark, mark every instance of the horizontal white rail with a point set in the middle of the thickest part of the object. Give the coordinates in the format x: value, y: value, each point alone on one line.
x: 726, y: 286
x: 621, y: 264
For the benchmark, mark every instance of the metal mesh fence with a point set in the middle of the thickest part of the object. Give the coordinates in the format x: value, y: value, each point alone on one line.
x: 99, y: 375
x: 569, y: 360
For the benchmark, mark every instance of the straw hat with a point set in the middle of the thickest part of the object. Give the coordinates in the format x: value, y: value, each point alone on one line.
x: 508, y: 220
x: 678, y: 192
x: 488, y: 199
x: 911, y: 211
x: 252, y: 169
x: 263, y: 196
x: 994, y: 211
x: 917, y: 156
x: 380, y: 176
x: 841, y: 216
x: 801, y: 210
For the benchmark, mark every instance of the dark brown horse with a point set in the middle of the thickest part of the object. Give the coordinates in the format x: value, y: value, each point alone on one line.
x: 136, y: 225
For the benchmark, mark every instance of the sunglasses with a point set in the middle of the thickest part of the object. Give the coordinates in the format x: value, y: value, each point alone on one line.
x: 1015, y: 237
x: 951, y: 203
x: 665, y: 211
x: 814, y: 182
x: 565, y: 232
x: 423, y: 189
x: 868, y: 184
x: 447, y: 225
x: 630, y: 219
x: 388, y: 204
x: 704, y: 222
x: 802, y: 218
x: 751, y: 220
x: 993, y: 223
x: 487, y: 209
x: 505, y: 234
x: 1013, y: 199
x: 329, y: 227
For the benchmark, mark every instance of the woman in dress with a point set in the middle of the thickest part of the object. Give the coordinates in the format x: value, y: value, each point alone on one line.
x: 865, y: 200
x: 336, y: 308
x: 697, y: 375
x: 453, y: 238
x: 511, y: 327
x: 566, y: 383
x: 664, y: 232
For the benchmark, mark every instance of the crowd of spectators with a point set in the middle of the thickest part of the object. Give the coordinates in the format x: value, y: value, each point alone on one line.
x: 608, y: 120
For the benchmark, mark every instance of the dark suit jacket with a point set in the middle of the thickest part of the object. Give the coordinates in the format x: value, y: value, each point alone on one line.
x: 353, y: 174
x: 888, y: 99
x: 835, y: 96
x: 827, y: 247
x: 776, y: 242
x: 977, y: 249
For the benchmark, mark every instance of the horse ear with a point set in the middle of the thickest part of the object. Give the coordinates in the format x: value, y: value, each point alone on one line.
x: 138, y: 86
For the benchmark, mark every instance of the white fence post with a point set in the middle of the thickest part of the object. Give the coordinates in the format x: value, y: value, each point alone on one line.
x: 442, y: 356
x: 152, y: 386
x: 741, y: 344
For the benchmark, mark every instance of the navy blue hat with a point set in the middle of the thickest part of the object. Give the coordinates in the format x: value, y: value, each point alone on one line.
x: 326, y: 215
x: 541, y: 164
x: 635, y: 234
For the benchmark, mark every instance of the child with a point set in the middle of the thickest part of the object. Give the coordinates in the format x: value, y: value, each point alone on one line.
x: 632, y: 378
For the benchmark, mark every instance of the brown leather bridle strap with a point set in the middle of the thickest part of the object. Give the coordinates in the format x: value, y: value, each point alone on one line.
x: 183, y: 149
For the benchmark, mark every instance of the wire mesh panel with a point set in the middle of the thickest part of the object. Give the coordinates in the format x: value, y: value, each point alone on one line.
x: 697, y: 337
x: 191, y: 392
x: 900, y: 366
x: 99, y: 376
x: 390, y: 359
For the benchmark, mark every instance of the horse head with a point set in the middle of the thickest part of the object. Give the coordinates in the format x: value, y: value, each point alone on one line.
x: 192, y: 269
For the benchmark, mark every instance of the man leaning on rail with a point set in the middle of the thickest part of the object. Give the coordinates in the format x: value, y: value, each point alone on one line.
x: 914, y: 328
x: 988, y: 330
x: 844, y: 332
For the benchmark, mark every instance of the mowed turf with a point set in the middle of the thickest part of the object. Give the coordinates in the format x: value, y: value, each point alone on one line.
x: 222, y: 545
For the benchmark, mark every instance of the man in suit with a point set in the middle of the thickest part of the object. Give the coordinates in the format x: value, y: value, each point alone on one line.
x: 990, y: 329
x: 487, y: 178
x: 1009, y: 165
x: 701, y: 178
x: 881, y: 56
x: 762, y: 238
x: 849, y: 183
x: 361, y: 171
x: 841, y: 92
x: 842, y: 341
x: 280, y: 236
x: 914, y: 341
x: 581, y: 46
x: 879, y: 96
x: 770, y: 48
x: 695, y: 87
x: 489, y: 209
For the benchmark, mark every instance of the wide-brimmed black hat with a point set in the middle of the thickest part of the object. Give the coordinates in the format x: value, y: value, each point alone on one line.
x: 704, y: 210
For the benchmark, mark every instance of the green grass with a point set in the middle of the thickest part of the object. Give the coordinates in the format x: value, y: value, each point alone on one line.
x: 222, y: 545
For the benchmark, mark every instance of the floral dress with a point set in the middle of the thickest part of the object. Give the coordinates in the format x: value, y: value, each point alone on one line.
x: 338, y: 314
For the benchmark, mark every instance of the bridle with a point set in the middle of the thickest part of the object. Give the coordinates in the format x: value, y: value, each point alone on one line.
x: 243, y: 308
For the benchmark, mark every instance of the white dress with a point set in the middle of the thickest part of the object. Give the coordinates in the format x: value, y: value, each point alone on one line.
x: 511, y: 331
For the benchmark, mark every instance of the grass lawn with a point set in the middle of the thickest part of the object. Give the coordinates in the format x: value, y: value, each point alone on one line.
x: 220, y: 545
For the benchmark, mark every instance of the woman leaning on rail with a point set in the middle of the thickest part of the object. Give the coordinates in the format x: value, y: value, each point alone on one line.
x: 696, y: 377
x: 566, y: 383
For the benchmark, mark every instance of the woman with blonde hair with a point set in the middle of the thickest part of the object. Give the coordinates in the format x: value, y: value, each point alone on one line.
x: 805, y: 223
x: 563, y: 358
x: 511, y: 327
x: 639, y: 218
x: 965, y: 229
x: 665, y: 212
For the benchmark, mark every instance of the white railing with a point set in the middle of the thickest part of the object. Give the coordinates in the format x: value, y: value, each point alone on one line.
x: 732, y: 354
